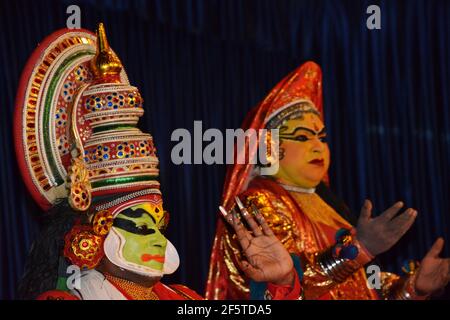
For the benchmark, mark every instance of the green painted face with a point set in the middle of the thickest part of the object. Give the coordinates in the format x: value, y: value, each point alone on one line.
x: 144, y: 243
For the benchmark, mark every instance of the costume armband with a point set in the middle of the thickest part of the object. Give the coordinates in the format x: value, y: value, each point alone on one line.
x: 344, y: 258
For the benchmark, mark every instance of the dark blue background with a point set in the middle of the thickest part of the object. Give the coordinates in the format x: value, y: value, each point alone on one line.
x: 386, y: 98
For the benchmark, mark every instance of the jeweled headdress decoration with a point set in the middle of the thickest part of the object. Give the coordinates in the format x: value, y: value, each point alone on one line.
x: 75, y: 123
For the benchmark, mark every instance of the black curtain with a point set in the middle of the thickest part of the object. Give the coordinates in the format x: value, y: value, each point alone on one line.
x: 386, y: 100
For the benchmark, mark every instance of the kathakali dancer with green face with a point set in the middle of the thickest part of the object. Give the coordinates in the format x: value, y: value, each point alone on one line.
x: 313, y: 224
x: 96, y: 175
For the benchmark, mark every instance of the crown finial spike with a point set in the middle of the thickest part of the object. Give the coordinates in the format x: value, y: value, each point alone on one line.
x: 105, y: 62
x: 102, y: 41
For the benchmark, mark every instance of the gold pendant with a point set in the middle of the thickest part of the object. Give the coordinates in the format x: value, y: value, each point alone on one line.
x: 79, y: 185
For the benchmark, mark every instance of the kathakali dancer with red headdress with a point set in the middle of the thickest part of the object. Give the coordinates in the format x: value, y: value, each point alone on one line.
x: 305, y: 215
x: 96, y: 175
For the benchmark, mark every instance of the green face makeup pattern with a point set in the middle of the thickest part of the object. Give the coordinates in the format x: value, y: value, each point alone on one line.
x: 144, y: 243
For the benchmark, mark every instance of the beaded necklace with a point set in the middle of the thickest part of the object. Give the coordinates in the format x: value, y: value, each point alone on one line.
x: 133, y: 290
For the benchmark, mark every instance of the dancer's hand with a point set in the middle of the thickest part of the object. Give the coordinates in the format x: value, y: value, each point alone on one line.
x: 381, y: 233
x: 267, y: 260
x: 434, y: 272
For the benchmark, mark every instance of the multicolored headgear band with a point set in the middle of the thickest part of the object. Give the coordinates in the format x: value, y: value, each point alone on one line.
x: 301, y: 93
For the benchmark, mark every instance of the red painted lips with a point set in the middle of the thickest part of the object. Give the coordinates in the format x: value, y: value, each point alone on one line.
x: 318, y: 162
x: 147, y: 257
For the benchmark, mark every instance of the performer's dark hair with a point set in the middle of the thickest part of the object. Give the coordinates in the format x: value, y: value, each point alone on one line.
x: 41, y: 268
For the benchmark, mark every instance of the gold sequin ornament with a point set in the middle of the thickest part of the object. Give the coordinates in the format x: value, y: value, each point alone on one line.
x: 102, y: 222
x: 79, y: 185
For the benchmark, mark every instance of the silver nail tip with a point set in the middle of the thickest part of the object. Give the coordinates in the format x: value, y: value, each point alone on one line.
x: 239, y: 202
x: 224, y: 212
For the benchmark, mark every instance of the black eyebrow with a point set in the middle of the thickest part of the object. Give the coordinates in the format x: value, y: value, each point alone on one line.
x: 130, y: 226
x: 324, y: 130
x: 139, y: 212
x: 302, y: 128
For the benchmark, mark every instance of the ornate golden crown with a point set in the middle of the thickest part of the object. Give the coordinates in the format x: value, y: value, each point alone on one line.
x: 76, y: 117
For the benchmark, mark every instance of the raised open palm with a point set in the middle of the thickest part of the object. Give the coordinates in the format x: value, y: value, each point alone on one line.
x: 267, y: 260
x: 434, y: 272
x: 379, y: 234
